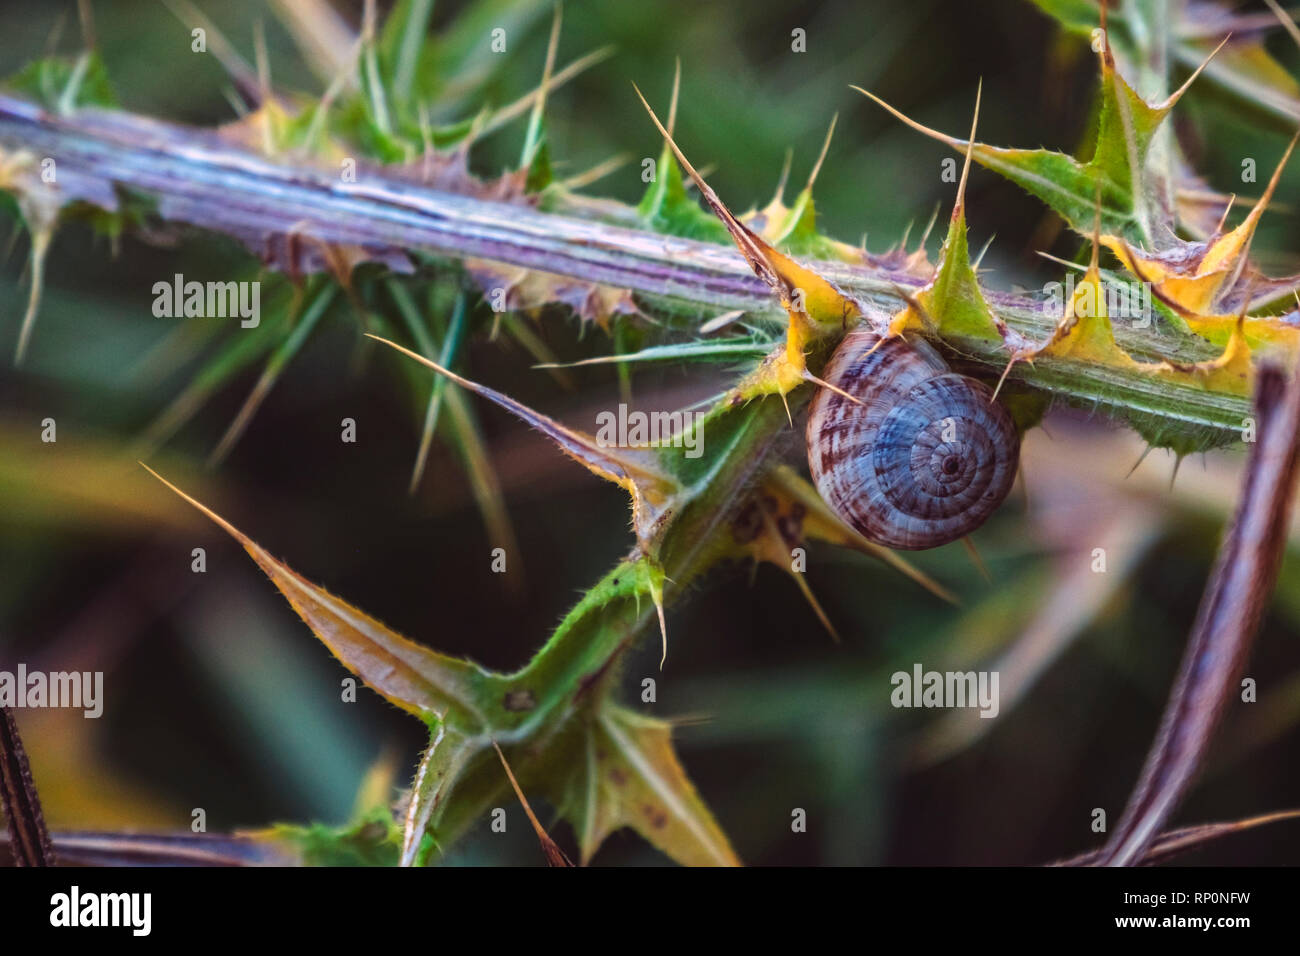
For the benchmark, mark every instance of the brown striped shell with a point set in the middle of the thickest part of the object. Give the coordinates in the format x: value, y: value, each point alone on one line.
x: 926, y: 458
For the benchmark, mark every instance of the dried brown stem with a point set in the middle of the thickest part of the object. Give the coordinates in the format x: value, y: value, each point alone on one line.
x: 1232, y: 607
x: 27, y: 835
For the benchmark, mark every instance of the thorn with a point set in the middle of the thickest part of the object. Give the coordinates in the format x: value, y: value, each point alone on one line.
x: 1252, y: 220
x: 663, y: 633
x: 826, y: 145
x: 493, y: 120
x: 1069, y: 264
x: 980, y: 566
x: 220, y: 522
x: 532, y: 138
x: 1178, y: 460
x: 241, y: 74
x: 720, y: 321
x: 811, y: 598
x: 41, y: 238
x: 263, y: 61
x: 1095, y: 259
x: 783, y: 179
x: 1223, y: 220
x: 774, y: 535
x: 916, y: 304
x: 1178, y: 94
x: 1141, y: 458
x: 86, y: 15
x: 970, y: 149
x: 907, y: 120
x: 750, y: 246
x: 1005, y: 372
x: 980, y: 258
x: 554, y: 855
x: 597, y: 172
x: 907, y: 231
x: 810, y: 377
x: 672, y: 104
x: 321, y: 110
x: 929, y: 227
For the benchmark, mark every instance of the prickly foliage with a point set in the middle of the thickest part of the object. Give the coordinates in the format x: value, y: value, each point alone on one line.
x: 557, y: 720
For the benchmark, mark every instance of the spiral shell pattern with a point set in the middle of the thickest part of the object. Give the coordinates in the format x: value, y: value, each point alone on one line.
x: 926, y: 458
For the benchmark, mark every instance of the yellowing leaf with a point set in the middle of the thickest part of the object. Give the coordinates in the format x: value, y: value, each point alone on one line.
x: 784, y: 513
x: 1232, y: 372
x: 816, y: 308
x: 429, y: 685
x: 626, y: 775
x: 1199, y: 276
x: 529, y: 289
x: 635, y: 469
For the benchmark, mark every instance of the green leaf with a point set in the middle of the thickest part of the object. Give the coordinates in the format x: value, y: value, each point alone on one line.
x: 401, y: 42
x: 63, y: 84
x: 1114, y: 185
x: 666, y: 207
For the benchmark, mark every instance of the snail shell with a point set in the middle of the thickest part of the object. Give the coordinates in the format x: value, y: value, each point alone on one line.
x: 926, y: 458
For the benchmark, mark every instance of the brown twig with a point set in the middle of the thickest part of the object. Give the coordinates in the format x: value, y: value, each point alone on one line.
x: 27, y: 833
x: 1229, y: 616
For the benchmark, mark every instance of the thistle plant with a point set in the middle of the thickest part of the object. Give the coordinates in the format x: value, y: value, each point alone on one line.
x: 359, y: 202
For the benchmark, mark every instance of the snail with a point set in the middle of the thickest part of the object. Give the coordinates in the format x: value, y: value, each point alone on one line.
x: 922, y: 457
x: 909, y: 453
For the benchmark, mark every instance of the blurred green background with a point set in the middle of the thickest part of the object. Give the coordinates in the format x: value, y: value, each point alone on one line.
x: 218, y: 697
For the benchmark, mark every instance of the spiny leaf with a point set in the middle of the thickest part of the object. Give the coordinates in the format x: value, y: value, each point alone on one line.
x: 528, y: 290
x: 635, y: 469
x: 1244, y: 69
x: 1205, y: 276
x: 821, y: 302
x: 1117, y: 169
x: 800, y: 514
x: 1085, y: 334
x: 626, y: 774
x: 952, y: 301
x: 432, y: 686
x: 793, y: 229
x: 63, y: 84
x: 665, y: 207
x: 815, y: 307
